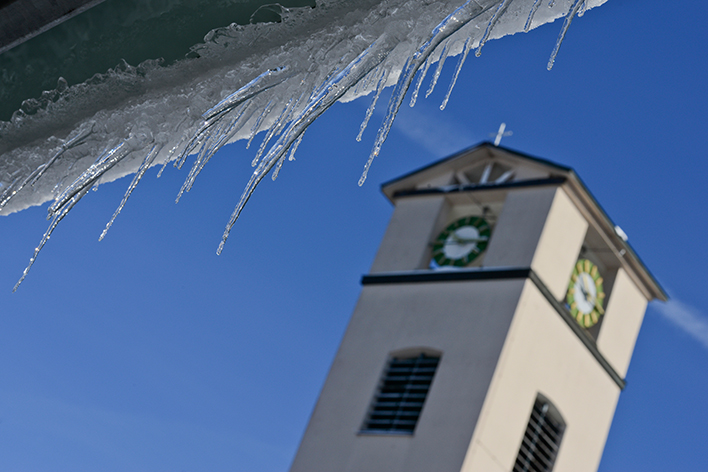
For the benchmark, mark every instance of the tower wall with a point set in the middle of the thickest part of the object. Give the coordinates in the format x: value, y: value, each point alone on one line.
x: 412, y: 227
x: 467, y: 321
x: 543, y: 355
x: 516, y: 234
x: 622, y: 320
x: 539, y: 227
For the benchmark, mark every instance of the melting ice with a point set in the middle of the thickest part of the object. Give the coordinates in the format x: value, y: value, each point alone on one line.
x: 132, y: 118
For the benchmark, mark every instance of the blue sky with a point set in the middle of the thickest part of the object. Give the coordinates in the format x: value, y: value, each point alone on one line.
x: 148, y: 352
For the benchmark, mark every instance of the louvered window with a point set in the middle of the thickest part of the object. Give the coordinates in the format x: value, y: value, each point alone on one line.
x: 401, y: 394
x: 542, y: 438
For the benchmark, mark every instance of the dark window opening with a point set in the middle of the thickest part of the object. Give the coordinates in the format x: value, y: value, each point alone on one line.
x: 401, y: 394
x: 542, y: 438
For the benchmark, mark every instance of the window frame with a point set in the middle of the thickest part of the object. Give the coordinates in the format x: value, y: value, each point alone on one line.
x: 393, y: 391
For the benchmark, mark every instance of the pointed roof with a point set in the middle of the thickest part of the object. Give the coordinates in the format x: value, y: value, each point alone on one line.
x: 489, y: 167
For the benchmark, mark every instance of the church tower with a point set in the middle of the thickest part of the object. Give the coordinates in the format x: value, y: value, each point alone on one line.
x: 493, y: 332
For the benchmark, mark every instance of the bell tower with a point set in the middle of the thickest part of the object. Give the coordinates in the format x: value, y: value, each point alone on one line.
x: 493, y: 332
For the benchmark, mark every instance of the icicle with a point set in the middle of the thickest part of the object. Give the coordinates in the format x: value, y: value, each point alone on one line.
x: 9, y: 188
x: 359, y: 86
x: 371, y: 78
x: 447, y: 27
x: 174, y: 148
x: 438, y: 70
x: 162, y: 169
x: 566, y: 24
x: 139, y: 175
x: 187, y: 151
x: 281, y: 161
x: 329, y: 93
x: 287, y: 117
x: 492, y: 21
x: 251, y: 89
x: 254, y: 129
x: 365, y: 81
x: 421, y: 76
x: 78, y: 138
x: 200, y: 156
x: 81, y: 134
x: 295, y: 146
x: 169, y: 155
x: 583, y: 8
x: 191, y: 145
x: 39, y: 171
x: 271, y: 131
x: 292, y: 111
x: 210, y: 143
x: 234, y: 128
x: 325, y: 82
x: 55, y: 221
x: 217, y: 140
x: 90, y: 175
x: 201, y: 136
x: 8, y: 193
x: 246, y: 106
x: 534, y: 7
x: 278, y: 166
x: 465, y: 50
x: 370, y: 111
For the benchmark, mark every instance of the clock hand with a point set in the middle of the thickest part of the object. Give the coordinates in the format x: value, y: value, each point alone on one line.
x: 460, y: 240
x: 586, y: 292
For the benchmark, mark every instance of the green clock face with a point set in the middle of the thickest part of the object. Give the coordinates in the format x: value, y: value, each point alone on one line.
x: 461, y: 242
x: 585, y: 293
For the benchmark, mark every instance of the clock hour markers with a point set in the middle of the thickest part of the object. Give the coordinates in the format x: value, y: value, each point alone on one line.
x: 586, y: 295
x: 461, y: 241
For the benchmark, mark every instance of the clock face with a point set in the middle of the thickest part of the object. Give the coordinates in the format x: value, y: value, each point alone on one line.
x: 461, y: 242
x: 585, y: 293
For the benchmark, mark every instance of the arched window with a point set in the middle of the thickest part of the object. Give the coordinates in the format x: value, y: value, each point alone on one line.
x: 401, y: 393
x: 542, y: 438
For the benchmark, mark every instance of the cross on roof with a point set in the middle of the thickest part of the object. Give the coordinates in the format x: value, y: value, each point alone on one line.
x: 500, y: 134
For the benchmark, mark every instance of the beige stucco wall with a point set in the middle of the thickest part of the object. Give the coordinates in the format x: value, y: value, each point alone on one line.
x: 542, y: 354
x: 559, y: 244
x: 405, y: 244
x: 467, y: 321
x: 541, y: 228
x: 516, y: 234
x: 622, y: 321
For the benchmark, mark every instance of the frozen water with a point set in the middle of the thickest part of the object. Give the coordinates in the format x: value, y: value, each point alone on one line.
x: 574, y: 8
x: 466, y: 49
x: 498, y: 13
x: 438, y: 69
x: 381, y: 83
x: 149, y: 159
x: 136, y: 117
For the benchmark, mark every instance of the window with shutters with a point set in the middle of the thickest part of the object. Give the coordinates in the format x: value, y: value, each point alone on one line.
x: 401, y: 394
x: 542, y: 438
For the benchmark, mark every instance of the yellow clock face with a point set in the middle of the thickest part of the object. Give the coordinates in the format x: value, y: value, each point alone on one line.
x: 586, y: 295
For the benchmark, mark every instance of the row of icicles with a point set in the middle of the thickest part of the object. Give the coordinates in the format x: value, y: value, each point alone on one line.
x: 221, y: 122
